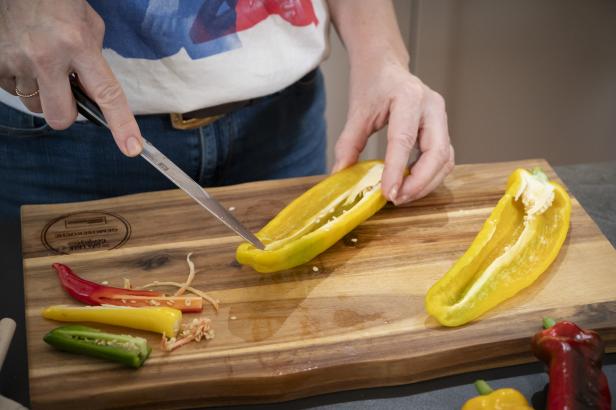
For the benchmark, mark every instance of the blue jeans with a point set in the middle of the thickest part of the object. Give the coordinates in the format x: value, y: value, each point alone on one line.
x: 278, y: 136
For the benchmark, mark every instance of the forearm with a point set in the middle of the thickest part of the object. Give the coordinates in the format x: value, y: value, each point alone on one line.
x: 369, y: 29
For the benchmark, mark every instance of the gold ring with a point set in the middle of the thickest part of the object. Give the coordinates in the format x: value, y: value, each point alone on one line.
x: 25, y: 95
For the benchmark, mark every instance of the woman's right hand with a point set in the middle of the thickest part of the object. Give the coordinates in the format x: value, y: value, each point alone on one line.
x: 41, y: 42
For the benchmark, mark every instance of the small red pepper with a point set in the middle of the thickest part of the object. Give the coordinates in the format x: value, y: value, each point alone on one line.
x: 574, y: 358
x: 92, y: 293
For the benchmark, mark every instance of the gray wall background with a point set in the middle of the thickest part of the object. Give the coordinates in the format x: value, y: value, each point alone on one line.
x: 522, y: 79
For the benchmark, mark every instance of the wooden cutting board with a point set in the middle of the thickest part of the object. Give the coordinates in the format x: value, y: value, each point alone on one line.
x: 351, y: 318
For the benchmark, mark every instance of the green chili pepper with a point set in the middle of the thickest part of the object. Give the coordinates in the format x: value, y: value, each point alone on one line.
x: 129, y: 350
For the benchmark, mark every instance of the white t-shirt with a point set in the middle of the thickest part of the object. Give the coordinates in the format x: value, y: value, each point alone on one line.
x: 183, y: 55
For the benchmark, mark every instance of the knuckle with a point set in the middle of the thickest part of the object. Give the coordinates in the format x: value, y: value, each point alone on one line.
x: 12, y: 60
x: 59, y: 123
x: 438, y: 101
x: 449, y: 166
x: 108, y: 93
x: 73, y: 39
x: 124, y: 127
x: 444, y: 154
x: 340, y: 146
x: 415, y: 89
x: 98, y: 25
x: 35, y: 54
x: 340, y: 151
x: 402, y: 140
x: 421, y: 187
x: 17, y: 65
x: 343, y: 148
x: 41, y: 58
x: 450, y: 163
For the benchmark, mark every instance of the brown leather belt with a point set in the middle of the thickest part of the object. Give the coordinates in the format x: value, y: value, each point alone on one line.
x: 205, y: 116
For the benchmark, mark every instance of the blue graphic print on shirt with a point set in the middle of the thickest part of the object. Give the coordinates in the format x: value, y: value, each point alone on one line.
x: 154, y: 29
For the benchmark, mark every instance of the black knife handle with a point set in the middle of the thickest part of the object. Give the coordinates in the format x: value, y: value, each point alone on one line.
x: 85, y: 105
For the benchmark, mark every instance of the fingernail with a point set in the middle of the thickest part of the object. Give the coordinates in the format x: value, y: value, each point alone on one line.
x: 133, y: 146
x: 404, y: 199
x: 393, y: 193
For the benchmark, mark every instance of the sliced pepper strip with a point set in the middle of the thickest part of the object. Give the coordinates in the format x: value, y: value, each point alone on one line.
x: 92, y: 293
x: 501, y: 399
x: 128, y: 350
x: 162, y: 320
x: 517, y: 243
x: 317, y: 219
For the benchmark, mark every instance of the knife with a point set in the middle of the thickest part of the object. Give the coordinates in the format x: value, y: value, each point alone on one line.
x: 88, y: 108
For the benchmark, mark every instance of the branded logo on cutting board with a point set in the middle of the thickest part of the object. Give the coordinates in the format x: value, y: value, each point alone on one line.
x: 85, y: 232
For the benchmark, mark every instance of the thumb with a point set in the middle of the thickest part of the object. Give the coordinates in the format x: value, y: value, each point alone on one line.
x: 351, y: 143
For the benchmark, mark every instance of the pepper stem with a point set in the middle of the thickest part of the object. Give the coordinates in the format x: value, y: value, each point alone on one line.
x: 548, y: 322
x: 483, y: 387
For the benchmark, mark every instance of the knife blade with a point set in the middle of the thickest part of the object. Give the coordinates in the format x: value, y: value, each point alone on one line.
x: 88, y: 108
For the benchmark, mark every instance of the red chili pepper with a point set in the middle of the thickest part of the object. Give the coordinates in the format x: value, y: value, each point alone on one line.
x: 574, y: 358
x: 92, y: 293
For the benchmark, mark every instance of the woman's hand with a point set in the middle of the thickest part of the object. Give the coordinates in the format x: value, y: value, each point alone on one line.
x: 41, y: 42
x: 385, y: 92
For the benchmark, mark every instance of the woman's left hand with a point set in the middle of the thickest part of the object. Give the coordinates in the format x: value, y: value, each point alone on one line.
x: 385, y: 92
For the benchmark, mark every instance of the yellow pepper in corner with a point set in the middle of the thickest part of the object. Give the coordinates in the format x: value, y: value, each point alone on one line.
x: 517, y: 243
x: 317, y: 219
x: 501, y: 399
x: 162, y: 320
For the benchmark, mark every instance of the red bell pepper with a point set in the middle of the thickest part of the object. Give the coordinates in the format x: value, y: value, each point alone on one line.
x: 574, y: 358
x: 92, y: 293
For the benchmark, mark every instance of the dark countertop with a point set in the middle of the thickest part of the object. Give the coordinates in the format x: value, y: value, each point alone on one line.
x: 594, y: 185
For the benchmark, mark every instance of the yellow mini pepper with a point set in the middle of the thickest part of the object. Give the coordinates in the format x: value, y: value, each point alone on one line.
x: 317, y: 219
x: 163, y: 320
x: 517, y: 243
x: 501, y: 399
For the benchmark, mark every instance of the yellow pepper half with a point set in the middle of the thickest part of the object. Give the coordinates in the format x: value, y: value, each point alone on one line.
x: 517, y: 243
x: 317, y: 219
x: 501, y: 399
x: 163, y: 320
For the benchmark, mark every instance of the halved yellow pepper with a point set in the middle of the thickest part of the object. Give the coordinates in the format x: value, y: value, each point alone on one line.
x: 162, y: 320
x: 517, y: 243
x: 317, y: 219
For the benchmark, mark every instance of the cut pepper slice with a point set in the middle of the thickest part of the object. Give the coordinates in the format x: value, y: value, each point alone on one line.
x: 128, y: 350
x: 162, y: 320
x: 317, y: 219
x: 92, y: 293
x: 517, y: 243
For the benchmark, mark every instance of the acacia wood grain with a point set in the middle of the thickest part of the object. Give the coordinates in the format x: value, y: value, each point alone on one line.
x: 357, y: 322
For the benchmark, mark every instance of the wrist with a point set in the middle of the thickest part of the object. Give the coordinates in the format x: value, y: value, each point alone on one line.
x: 382, y: 50
x: 369, y: 34
x: 379, y: 56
